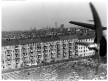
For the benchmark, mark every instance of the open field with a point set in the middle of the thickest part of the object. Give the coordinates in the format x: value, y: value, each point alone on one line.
x: 78, y: 70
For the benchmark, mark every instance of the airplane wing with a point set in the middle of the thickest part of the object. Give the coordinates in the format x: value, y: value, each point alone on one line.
x: 98, y: 33
x: 91, y: 20
x: 97, y: 24
x: 86, y: 25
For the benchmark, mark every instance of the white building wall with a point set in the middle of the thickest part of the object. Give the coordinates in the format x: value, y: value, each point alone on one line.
x: 80, y: 52
x: 59, y: 50
x: 3, y: 62
x: 83, y: 50
x: 65, y: 49
x: 13, y: 57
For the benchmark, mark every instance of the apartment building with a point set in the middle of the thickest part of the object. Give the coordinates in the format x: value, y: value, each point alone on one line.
x: 82, y: 50
x: 44, y: 50
x: 17, y: 56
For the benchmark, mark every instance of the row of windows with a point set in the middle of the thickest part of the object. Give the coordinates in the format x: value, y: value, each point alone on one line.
x: 38, y: 50
x: 18, y: 57
x: 82, y: 47
x: 86, y: 40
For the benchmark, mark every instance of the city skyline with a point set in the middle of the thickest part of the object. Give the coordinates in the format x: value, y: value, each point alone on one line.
x: 24, y: 15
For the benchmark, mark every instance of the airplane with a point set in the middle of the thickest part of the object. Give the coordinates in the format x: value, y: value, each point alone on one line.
x: 100, y: 43
x: 91, y: 20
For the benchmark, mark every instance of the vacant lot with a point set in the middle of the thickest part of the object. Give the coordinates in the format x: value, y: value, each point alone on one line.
x: 63, y: 71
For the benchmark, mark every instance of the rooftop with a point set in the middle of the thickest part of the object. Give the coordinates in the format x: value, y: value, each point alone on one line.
x: 45, y: 39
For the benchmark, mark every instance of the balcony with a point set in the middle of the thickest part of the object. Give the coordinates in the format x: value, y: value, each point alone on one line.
x: 64, y: 54
x: 45, y: 48
x: 24, y: 54
x: 64, y: 45
x: 8, y: 52
x: 16, y: 46
x: 17, y: 51
x: 24, y: 51
x: 59, y: 49
x: 39, y: 56
x: 8, y: 55
x: 31, y: 48
x: 52, y: 55
x: 38, y: 45
x: 8, y: 62
x: 70, y: 44
x: 64, y: 50
x: 17, y: 60
x: 31, y: 51
x: 38, y: 52
x: 70, y: 47
x: 17, y: 55
x: 31, y: 55
x: 58, y: 54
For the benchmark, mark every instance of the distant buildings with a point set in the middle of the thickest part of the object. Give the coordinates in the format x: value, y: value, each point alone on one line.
x: 46, y: 32
x: 45, y: 50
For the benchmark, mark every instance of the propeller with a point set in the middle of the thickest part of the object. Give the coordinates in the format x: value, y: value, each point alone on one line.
x: 97, y: 27
x: 97, y: 24
x: 98, y: 32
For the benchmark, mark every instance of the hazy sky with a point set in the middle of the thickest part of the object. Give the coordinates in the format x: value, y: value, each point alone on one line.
x: 23, y: 15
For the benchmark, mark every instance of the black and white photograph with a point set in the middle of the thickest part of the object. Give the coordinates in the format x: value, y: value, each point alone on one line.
x: 53, y: 40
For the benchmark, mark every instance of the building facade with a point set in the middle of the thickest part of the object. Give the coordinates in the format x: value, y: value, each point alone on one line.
x: 18, y: 56
x: 46, y: 50
x: 82, y: 50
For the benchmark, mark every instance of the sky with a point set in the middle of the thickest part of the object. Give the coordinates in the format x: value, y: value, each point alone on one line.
x: 27, y: 14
